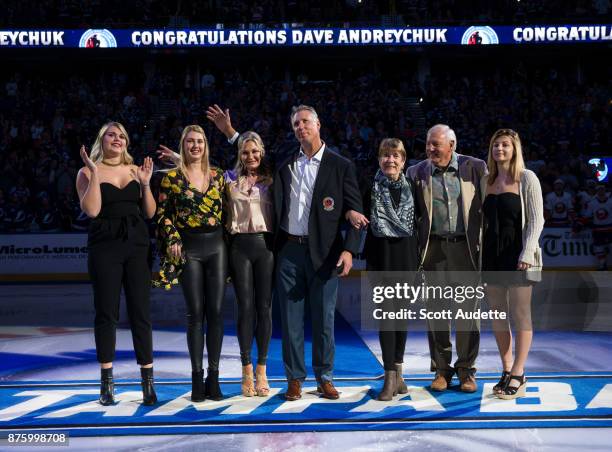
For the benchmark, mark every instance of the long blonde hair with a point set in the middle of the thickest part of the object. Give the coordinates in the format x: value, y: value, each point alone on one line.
x: 517, y: 164
x: 97, y: 153
x: 205, y: 164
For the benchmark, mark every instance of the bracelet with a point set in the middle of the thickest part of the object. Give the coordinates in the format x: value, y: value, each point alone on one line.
x: 145, y: 185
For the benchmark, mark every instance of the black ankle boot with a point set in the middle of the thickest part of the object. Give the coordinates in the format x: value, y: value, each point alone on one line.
x: 197, y: 386
x: 107, y: 387
x: 211, y: 386
x: 148, y: 391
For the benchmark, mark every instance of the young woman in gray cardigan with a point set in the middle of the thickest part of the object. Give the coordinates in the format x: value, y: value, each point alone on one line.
x: 511, y: 257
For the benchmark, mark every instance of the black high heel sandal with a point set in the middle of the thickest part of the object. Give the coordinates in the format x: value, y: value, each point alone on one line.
x: 514, y: 392
x: 501, y: 384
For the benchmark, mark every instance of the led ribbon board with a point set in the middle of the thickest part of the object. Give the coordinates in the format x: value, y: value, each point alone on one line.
x: 95, y: 38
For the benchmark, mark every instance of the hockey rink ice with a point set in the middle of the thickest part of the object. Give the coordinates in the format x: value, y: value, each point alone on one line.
x: 49, y: 383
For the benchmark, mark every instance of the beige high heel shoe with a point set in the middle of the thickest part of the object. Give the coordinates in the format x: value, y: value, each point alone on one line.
x: 261, y: 381
x: 247, y: 385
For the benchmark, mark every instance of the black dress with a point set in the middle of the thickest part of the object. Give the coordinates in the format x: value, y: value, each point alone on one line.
x: 503, y: 239
x: 118, y: 245
x: 391, y: 254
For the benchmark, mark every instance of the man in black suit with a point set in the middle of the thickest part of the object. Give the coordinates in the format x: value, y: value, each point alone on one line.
x: 313, y: 189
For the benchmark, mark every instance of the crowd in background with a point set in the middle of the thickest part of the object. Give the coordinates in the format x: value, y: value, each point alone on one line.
x: 157, y: 13
x: 44, y: 121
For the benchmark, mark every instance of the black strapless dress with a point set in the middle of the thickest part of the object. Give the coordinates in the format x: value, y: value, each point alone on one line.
x: 503, y: 240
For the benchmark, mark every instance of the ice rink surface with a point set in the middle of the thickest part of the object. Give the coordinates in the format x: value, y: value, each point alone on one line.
x: 45, y: 335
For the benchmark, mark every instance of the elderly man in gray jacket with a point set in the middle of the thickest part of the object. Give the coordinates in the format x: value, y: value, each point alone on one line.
x: 449, y: 197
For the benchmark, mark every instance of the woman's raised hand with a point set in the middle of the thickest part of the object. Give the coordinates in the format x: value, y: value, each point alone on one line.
x: 145, y: 171
x: 87, y: 161
x: 221, y: 119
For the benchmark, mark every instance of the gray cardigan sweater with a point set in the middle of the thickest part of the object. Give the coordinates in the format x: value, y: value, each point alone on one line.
x: 532, y: 205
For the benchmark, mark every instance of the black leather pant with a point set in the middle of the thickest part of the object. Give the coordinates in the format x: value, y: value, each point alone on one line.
x: 252, y: 263
x: 203, y: 282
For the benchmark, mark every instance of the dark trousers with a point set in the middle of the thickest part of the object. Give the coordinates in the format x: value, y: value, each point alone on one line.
x: 393, y: 346
x: 252, y: 264
x: 296, y: 284
x: 444, y: 256
x: 203, y: 283
x: 114, y: 264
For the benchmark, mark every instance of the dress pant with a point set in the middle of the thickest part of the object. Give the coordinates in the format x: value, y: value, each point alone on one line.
x: 114, y: 264
x: 298, y: 284
x: 443, y: 256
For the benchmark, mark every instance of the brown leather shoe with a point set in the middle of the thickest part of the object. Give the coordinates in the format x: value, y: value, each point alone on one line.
x: 468, y: 383
x: 294, y: 390
x: 440, y: 383
x: 327, y: 390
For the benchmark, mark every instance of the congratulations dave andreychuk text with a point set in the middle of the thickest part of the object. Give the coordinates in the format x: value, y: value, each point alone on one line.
x: 404, y: 292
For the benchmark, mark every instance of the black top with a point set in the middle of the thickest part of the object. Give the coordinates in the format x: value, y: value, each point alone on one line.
x: 120, y: 218
x: 389, y: 253
x: 503, y: 240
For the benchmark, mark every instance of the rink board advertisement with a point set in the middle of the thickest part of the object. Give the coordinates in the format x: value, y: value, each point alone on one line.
x: 295, y: 35
x: 578, y: 400
x: 39, y: 254
x: 562, y: 247
x: 66, y: 254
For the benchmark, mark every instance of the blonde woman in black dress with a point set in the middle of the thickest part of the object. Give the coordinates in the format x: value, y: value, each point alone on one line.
x: 514, y: 218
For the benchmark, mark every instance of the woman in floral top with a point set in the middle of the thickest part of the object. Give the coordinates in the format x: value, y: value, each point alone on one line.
x: 190, y: 230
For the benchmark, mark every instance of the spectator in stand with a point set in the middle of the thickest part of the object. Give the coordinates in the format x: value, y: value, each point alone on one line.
x: 559, y: 206
x: 48, y: 218
x: 2, y: 210
x: 17, y: 216
x: 599, y: 214
x: 585, y: 196
x: 20, y: 190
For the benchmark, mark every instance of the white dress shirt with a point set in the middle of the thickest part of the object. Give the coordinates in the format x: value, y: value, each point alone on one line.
x: 303, y: 177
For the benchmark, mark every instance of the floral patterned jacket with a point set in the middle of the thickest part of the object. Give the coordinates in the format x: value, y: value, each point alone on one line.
x: 181, y: 206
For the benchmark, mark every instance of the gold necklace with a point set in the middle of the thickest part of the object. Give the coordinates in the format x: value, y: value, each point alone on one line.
x: 111, y: 164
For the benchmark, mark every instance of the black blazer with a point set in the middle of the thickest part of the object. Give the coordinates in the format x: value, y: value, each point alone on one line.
x: 336, y: 184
